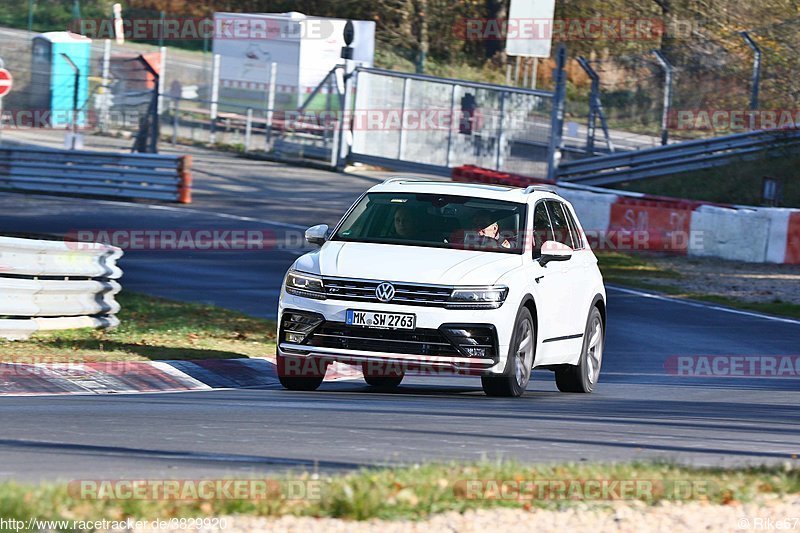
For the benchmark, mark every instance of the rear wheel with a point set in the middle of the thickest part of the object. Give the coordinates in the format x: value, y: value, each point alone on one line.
x: 300, y: 374
x: 583, y: 377
x: 519, y: 364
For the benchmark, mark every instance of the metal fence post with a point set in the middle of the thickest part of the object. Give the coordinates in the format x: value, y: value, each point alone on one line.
x: 557, y: 117
x: 214, y: 98
x: 105, y: 108
x: 248, y: 129
x: 756, y: 69
x: 350, y: 72
x: 162, y: 77
x: 668, y: 69
x: 401, y: 145
x: 273, y: 74
x: 75, y: 97
x: 454, y: 122
x: 591, y: 126
x: 176, y: 102
x: 595, y: 109
x: 500, y: 133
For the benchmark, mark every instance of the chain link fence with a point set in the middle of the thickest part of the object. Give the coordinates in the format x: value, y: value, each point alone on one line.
x: 414, y: 120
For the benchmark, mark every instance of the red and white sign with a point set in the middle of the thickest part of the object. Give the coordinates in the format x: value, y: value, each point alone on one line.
x: 6, y: 81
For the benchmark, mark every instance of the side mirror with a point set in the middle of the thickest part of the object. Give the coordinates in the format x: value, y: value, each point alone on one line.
x: 555, y: 251
x: 317, y: 234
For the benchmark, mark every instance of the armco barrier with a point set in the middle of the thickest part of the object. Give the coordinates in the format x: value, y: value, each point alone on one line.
x: 675, y: 158
x: 81, y: 172
x: 53, y: 285
x: 623, y: 220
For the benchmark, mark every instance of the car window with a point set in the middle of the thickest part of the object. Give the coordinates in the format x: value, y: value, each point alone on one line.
x: 561, y: 231
x: 436, y: 221
x: 542, y: 230
x: 577, y: 238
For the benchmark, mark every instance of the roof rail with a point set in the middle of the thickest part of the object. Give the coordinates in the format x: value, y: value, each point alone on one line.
x: 541, y: 188
x: 398, y: 179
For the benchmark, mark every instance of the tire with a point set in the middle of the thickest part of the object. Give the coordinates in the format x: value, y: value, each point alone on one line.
x: 583, y: 377
x: 310, y: 380
x: 519, y: 363
x: 382, y: 380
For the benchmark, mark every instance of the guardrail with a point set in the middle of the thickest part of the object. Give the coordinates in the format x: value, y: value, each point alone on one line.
x: 81, y: 172
x: 54, y: 285
x: 675, y: 158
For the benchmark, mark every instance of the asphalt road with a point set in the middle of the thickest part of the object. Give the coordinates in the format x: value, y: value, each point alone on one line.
x: 640, y: 410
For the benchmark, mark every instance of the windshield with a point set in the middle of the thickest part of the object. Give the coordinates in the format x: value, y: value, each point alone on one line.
x: 436, y: 221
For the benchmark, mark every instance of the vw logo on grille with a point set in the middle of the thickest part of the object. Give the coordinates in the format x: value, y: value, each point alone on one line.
x: 384, y: 292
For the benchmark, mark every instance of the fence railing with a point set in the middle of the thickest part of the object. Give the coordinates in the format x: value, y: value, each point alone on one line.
x: 675, y: 158
x: 54, y: 285
x: 146, y: 176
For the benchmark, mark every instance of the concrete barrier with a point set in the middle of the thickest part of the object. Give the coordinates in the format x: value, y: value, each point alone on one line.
x: 736, y: 234
x: 622, y: 220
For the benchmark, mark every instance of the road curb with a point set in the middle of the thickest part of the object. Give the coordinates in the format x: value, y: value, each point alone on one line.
x: 125, y: 377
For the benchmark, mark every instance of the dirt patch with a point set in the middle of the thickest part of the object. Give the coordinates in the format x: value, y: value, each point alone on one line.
x: 749, y: 282
x: 633, y: 518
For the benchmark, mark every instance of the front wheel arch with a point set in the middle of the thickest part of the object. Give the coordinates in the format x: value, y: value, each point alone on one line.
x: 600, y: 303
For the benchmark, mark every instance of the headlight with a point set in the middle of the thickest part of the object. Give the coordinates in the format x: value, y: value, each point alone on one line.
x: 478, y: 298
x: 305, y: 285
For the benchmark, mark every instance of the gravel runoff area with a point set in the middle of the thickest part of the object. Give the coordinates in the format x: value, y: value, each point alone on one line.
x: 749, y: 282
x: 769, y: 514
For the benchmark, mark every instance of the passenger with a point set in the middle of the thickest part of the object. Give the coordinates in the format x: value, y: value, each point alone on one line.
x: 489, y: 230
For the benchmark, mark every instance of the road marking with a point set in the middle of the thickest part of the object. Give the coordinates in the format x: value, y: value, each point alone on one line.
x: 211, y: 213
x: 195, y: 211
x: 692, y: 303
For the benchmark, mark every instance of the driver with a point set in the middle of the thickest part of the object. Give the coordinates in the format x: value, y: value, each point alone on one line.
x: 405, y: 224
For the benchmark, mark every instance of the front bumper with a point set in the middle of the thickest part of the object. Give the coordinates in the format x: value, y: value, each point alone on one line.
x: 429, y: 347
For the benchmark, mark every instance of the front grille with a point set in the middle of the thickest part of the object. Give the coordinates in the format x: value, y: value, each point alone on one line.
x: 417, y: 342
x: 405, y: 293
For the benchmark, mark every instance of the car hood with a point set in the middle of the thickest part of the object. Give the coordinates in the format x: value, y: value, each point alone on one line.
x: 412, y: 264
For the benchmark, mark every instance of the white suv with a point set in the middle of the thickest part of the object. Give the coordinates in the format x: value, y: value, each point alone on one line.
x: 436, y: 277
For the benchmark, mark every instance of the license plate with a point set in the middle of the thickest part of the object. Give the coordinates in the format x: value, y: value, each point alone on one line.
x: 369, y: 319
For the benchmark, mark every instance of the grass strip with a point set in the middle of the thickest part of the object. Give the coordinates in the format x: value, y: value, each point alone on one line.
x: 416, y: 492
x: 152, y: 329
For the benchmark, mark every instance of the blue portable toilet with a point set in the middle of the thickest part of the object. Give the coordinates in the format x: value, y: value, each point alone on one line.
x: 53, y: 78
